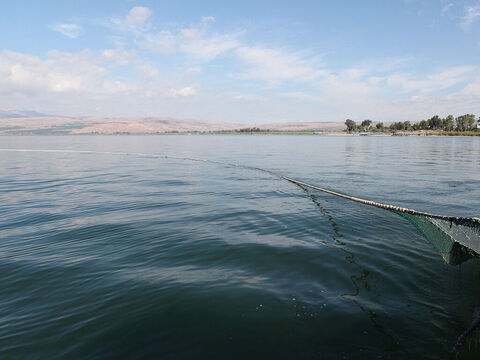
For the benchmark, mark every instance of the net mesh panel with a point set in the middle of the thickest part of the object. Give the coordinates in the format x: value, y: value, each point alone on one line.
x: 441, y: 240
x: 456, y: 241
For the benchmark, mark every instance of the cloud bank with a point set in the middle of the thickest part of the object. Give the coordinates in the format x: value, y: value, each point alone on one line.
x: 197, y: 71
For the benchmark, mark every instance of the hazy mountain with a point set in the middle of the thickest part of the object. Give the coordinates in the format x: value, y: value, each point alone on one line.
x: 28, y: 122
x: 20, y: 113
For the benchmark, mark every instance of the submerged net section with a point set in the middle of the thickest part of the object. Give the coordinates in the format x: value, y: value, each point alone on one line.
x: 457, y: 239
x: 456, y: 242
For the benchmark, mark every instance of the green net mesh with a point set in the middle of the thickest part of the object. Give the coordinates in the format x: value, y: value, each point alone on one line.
x: 457, y: 241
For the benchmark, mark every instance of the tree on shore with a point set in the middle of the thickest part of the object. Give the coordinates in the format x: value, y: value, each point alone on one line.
x: 351, y: 125
x: 400, y: 126
x: 366, y: 124
x: 253, y: 129
x: 435, y: 123
x: 448, y: 123
x: 465, y: 122
x: 460, y: 123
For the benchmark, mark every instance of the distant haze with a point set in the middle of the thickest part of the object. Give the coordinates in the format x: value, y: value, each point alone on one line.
x: 19, y: 123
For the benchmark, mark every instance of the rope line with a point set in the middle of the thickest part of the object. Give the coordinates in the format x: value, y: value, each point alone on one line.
x: 457, y: 220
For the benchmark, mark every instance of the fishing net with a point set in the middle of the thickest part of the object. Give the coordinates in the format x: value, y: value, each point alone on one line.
x: 456, y: 241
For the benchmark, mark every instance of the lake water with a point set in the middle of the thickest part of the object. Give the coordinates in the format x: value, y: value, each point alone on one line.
x: 109, y: 256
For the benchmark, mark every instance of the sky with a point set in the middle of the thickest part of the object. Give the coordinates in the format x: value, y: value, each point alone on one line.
x: 242, y: 61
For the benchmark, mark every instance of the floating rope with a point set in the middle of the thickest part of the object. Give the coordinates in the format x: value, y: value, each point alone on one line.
x: 457, y: 220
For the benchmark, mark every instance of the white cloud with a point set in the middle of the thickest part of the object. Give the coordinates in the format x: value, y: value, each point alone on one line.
x: 208, y: 19
x: 446, y: 8
x: 300, y: 95
x: 79, y: 73
x: 194, y: 41
x: 136, y: 20
x: 148, y: 71
x: 206, y: 49
x: 274, y: 65
x: 138, y: 16
x: 72, y: 31
x: 164, y: 42
x: 60, y: 72
x: 433, y: 82
x: 200, y: 44
x: 81, y: 84
x: 184, y: 92
x: 392, y: 97
x: 247, y: 98
x: 119, y: 56
x: 342, y: 90
x: 471, y: 15
x: 63, y: 74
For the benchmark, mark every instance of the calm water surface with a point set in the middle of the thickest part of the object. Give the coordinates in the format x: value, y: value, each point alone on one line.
x: 106, y: 256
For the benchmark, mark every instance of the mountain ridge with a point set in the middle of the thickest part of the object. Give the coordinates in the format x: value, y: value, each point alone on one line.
x: 19, y: 122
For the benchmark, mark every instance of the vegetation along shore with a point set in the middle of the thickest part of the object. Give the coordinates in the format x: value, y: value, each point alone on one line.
x: 463, y: 125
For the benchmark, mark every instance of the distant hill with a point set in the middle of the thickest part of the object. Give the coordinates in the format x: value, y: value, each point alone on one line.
x: 20, y: 113
x: 33, y: 123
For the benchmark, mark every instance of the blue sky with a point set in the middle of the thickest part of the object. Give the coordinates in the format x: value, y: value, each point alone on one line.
x: 243, y: 61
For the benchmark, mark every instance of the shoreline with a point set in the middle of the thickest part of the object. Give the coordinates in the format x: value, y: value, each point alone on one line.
x: 421, y: 133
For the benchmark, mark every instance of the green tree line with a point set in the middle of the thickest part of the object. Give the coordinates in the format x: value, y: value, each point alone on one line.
x: 253, y: 129
x: 460, y: 123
